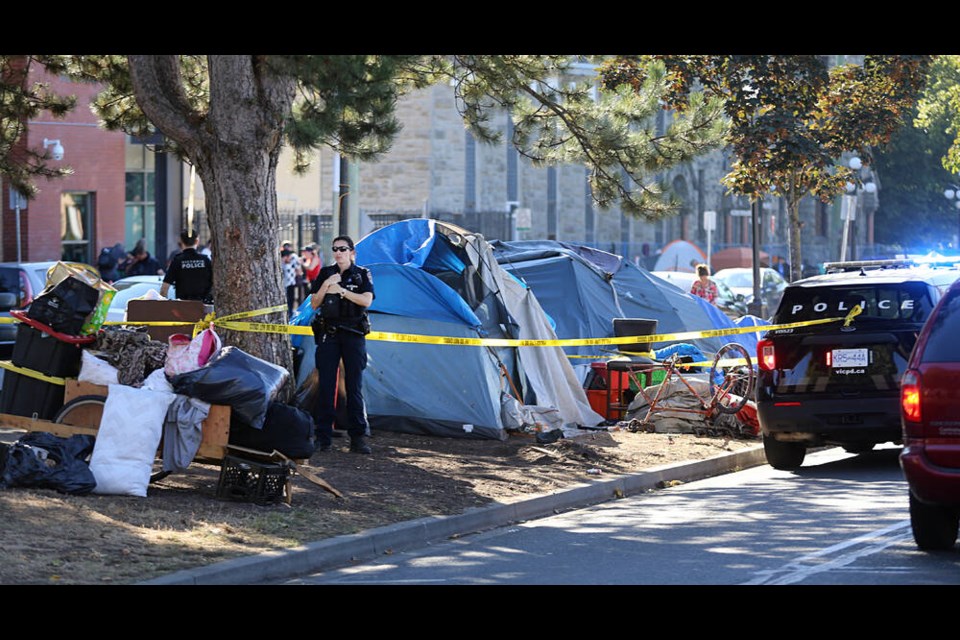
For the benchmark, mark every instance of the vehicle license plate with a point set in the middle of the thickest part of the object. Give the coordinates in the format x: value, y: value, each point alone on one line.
x: 842, y: 358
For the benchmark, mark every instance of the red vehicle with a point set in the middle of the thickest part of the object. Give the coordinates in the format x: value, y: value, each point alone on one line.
x: 930, y: 417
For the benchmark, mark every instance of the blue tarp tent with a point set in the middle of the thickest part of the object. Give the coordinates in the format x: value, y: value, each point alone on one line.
x: 584, y: 289
x: 436, y: 279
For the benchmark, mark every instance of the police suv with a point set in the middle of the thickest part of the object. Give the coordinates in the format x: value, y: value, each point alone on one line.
x: 838, y: 383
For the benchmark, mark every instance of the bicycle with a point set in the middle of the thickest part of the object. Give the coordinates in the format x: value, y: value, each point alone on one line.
x: 731, y: 380
x: 87, y: 411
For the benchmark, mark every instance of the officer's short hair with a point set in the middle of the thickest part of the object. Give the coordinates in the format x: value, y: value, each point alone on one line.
x: 188, y: 238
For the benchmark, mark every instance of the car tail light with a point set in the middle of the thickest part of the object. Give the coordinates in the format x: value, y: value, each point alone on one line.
x: 26, y: 291
x: 766, y: 355
x: 910, y: 396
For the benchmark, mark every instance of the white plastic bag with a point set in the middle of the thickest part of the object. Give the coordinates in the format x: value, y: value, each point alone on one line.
x: 96, y: 371
x: 157, y: 381
x: 128, y: 439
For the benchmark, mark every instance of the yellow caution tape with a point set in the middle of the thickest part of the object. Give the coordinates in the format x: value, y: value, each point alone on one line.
x: 853, y: 314
x: 513, y: 342
x: 229, y: 322
x: 265, y: 327
x: 250, y: 314
x: 208, y: 320
x: 30, y: 373
x: 152, y: 323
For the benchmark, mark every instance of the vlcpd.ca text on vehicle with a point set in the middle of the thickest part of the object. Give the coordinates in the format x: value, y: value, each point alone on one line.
x: 839, y: 383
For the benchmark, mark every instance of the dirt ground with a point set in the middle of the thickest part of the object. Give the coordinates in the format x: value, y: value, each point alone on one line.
x: 52, y: 538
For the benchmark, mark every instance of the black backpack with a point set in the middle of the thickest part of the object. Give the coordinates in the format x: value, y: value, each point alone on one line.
x: 65, y: 307
x: 286, y: 428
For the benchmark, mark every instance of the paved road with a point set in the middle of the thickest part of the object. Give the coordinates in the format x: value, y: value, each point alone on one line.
x: 840, y: 519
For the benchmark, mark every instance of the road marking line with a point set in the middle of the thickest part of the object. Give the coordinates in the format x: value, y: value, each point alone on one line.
x: 801, y: 569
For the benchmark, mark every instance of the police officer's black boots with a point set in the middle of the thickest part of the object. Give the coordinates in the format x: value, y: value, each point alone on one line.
x: 359, y: 445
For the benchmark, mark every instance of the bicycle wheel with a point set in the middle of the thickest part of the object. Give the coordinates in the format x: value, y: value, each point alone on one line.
x: 82, y: 411
x: 87, y: 411
x: 730, y: 395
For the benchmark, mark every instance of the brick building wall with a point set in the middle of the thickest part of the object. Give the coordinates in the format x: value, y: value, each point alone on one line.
x: 97, y: 158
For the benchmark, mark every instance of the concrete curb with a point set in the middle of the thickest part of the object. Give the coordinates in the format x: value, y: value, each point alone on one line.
x: 335, y: 552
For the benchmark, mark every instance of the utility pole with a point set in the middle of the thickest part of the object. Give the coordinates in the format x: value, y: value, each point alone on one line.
x: 756, y: 212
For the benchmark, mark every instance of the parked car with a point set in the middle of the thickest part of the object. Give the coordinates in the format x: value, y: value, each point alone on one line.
x: 20, y: 283
x: 740, y: 281
x: 729, y: 302
x: 929, y: 399
x: 131, y: 288
x: 831, y: 384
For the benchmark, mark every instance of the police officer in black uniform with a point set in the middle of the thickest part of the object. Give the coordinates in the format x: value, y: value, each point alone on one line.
x: 341, y: 294
x: 190, y: 272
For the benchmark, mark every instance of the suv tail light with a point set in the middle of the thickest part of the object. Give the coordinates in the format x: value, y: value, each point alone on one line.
x: 766, y: 355
x: 26, y: 291
x: 910, y: 396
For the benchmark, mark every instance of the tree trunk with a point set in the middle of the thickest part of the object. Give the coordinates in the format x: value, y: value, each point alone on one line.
x: 242, y: 212
x: 235, y: 145
x: 793, y: 238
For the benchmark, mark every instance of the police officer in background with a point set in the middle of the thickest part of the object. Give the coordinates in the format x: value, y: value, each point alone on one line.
x: 190, y: 272
x: 341, y: 294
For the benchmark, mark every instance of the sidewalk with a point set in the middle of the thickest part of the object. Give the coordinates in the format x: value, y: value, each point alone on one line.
x: 335, y: 552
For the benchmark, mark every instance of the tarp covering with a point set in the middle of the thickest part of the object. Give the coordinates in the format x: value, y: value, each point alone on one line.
x: 436, y: 279
x: 583, y: 290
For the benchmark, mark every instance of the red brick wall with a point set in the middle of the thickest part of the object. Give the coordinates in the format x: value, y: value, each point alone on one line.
x: 97, y: 159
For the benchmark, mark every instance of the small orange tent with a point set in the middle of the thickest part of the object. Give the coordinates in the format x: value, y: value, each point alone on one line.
x: 680, y: 255
x: 736, y: 257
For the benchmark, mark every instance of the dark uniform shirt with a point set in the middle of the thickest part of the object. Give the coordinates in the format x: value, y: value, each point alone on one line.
x: 340, y: 311
x: 192, y: 275
x: 149, y: 266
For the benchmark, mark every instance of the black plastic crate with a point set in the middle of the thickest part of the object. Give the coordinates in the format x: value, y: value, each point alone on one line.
x: 244, y: 480
x: 43, y: 352
x: 23, y: 395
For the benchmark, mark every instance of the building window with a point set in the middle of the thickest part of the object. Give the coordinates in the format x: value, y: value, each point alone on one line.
x: 512, y: 166
x: 823, y: 219
x: 140, y: 197
x: 588, y: 217
x: 76, y: 226
x: 470, y: 174
x: 551, y: 203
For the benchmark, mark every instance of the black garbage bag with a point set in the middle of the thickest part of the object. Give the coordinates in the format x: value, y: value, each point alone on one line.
x: 286, y: 428
x: 43, y: 460
x: 66, y: 306
x: 237, y: 379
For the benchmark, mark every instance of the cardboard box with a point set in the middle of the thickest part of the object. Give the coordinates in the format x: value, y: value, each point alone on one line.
x: 186, y: 311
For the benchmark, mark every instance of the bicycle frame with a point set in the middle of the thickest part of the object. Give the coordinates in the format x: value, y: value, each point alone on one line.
x: 709, y: 406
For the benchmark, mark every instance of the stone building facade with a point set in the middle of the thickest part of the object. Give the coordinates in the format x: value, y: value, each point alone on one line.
x: 436, y: 169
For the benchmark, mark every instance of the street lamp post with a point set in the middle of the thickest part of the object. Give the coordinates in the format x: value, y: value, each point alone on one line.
x: 852, y: 203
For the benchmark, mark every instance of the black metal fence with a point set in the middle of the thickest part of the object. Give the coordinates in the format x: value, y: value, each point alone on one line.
x: 305, y: 228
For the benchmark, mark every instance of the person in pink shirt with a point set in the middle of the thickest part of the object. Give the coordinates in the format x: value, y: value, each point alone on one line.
x: 704, y: 286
